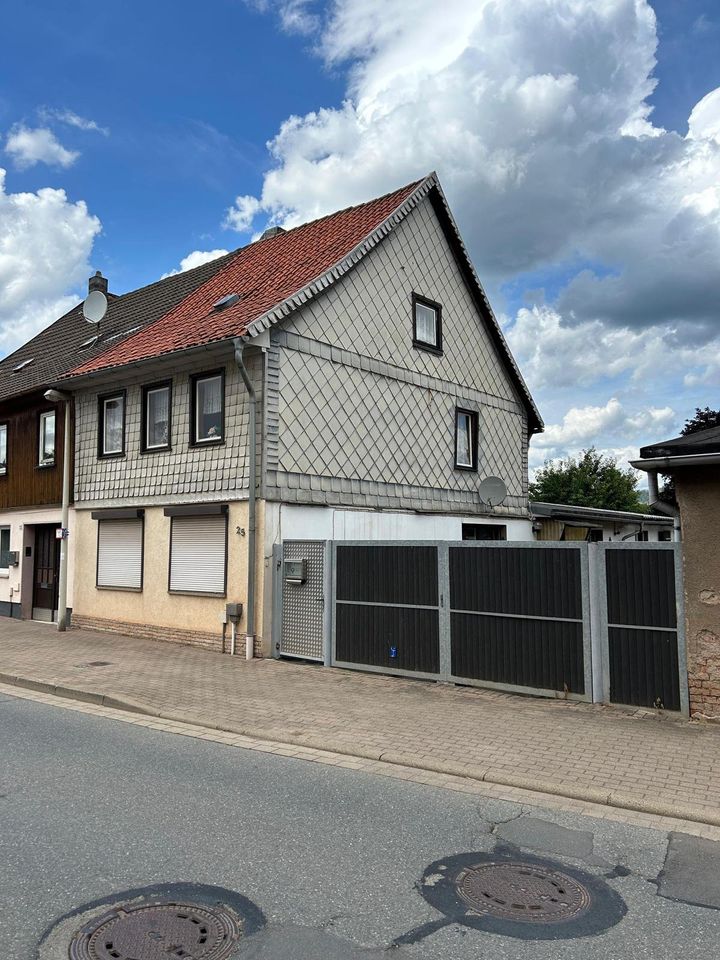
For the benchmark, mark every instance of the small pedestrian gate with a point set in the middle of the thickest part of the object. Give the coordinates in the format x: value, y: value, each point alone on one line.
x: 584, y: 621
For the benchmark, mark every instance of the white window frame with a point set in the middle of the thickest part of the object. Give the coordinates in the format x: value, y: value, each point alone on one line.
x: 104, y: 401
x: 195, y: 427
x: 419, y: 304
x: 3, y: 467
x: 471, y: 433
x: 5, y: 571
x: 147, y: 393
x: 42, y: 460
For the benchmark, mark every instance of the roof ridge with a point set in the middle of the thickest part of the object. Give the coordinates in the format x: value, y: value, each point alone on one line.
x: 413, y: 184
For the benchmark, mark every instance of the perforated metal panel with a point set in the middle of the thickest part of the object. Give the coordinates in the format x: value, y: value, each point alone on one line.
x: 303, y: 604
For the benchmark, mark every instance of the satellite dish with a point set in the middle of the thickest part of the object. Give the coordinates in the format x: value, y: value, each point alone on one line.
x: 95, y: 306
x: 492, y: 491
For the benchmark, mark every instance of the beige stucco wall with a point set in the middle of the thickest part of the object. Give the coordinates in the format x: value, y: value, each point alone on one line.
x: 155, y: 611
x: 698, y: 493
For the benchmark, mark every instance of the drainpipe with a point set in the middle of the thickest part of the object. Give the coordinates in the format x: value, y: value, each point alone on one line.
x: 55, y: 396
x: 252, y: 453
x: 660, y: 506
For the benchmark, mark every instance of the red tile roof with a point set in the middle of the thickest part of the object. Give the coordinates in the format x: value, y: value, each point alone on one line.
x: 264, y: 273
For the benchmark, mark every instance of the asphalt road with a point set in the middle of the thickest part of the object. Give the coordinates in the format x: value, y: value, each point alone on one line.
x: 334, y: 860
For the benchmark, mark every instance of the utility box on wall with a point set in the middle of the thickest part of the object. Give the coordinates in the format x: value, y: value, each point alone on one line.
x: 295, y: 571
x: 13, y: 558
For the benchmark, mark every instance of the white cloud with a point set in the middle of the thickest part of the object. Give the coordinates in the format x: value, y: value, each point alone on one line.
x: 611, y: 428
x: 72, y: 119
x: 296, y: 16
x: 28, y: 146
x: 241, y: 214
x: 535, y: 113
x: 45, y: 245
x: 196, y: 259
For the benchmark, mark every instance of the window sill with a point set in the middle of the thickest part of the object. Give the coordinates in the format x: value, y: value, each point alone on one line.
x: 121, y: 589
x: 428, y: 348
x: 464, y: 469
x: 197, y: 593
x: 4, y: 574
x: 165, y: 449
x: 111, y: 456
x: 45, y: 466
x: 207, y: 443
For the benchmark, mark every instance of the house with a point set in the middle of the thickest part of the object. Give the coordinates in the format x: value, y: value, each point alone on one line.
x: 32, y: 437
x: 693, y: 462
x: 343, y: 379
x: 556, y: 521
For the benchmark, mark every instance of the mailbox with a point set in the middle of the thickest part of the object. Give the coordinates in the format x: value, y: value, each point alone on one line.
x: 13, y: 558
x: 295, y: 571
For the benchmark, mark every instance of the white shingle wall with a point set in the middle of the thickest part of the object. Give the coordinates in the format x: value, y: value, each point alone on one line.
x: 361, y: 417
x: 369, y: 311
x: 184, y: 473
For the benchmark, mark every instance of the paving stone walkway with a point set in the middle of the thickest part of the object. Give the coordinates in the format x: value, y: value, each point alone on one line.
x: 636, y: 760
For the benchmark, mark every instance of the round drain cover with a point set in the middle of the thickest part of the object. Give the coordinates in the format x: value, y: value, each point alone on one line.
x: 159, y: 931
x: 522, y: 891
x: 530, y: 898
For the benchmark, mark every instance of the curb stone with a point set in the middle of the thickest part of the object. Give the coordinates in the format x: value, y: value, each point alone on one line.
x: 466, y: 771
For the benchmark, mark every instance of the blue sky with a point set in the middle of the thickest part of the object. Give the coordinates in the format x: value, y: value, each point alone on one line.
x: 591, y: 217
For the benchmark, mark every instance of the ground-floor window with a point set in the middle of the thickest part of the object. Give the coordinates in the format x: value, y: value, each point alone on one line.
x: 484, y: 531
x: 120, y: 553
x: 4, y: 549
x: 198, y: 553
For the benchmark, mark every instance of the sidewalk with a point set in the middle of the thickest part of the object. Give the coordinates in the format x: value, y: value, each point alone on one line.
x: 587, y: 752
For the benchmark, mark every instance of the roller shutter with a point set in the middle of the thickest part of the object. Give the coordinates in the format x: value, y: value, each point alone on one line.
x: 120, y: 554
x: 198, y: 554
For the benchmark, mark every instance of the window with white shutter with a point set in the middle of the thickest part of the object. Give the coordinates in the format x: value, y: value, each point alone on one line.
x: 120, y: 554
x: 198, y: 554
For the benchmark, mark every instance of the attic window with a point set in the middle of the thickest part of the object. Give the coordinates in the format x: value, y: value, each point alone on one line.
x: 226, y: 301
x: 25, y: 363
x: 89, y: 343
x: 427, y: 324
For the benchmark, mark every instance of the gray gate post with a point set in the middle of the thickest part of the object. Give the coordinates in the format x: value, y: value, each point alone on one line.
x: 328, y: 602
x: 277, y: 585
x: 596, y: 569
x: 681, y: 638
x: 443, y: 551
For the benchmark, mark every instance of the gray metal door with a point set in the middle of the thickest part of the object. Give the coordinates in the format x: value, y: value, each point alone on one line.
x: 303, y: 601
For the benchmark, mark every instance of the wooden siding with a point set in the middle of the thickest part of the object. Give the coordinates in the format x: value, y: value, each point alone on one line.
x: 26, y: 484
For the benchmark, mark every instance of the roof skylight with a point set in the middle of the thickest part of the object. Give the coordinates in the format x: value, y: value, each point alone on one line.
x: 25, y: 363
x: 226, y: 301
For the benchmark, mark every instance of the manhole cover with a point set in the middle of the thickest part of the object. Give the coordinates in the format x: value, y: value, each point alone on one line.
x: 530, y: 898
x: 159, y: 931
x: 522, y: 891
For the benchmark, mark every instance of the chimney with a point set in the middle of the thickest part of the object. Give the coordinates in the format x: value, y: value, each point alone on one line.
x: 98, y: 282
x: 271, y: 232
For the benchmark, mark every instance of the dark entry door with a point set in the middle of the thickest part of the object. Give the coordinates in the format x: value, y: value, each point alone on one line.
x: 47, y: 566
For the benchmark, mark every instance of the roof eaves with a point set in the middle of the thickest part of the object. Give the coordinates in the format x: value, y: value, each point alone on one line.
x: 341, y: 267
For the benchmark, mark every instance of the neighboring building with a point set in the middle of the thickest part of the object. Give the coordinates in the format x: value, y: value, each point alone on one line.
x: 31, y: 437
x: 693, y: 462
x: 557, y: 521
x: 385, y: 394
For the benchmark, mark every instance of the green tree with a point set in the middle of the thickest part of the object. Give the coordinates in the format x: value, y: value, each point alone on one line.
x: 592, y: 480
x: 703, y: 419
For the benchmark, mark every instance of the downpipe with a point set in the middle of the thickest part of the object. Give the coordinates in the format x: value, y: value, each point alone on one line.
x: 252, y: 474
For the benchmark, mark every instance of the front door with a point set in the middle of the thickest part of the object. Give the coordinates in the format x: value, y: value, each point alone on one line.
x: 47, y: 566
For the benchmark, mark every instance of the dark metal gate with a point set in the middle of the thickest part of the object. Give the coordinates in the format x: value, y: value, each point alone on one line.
x: 586, y: 621
x: 387, y: 607
x: 514, y: 616
x: 641, y: 625
x: 519, y: 617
